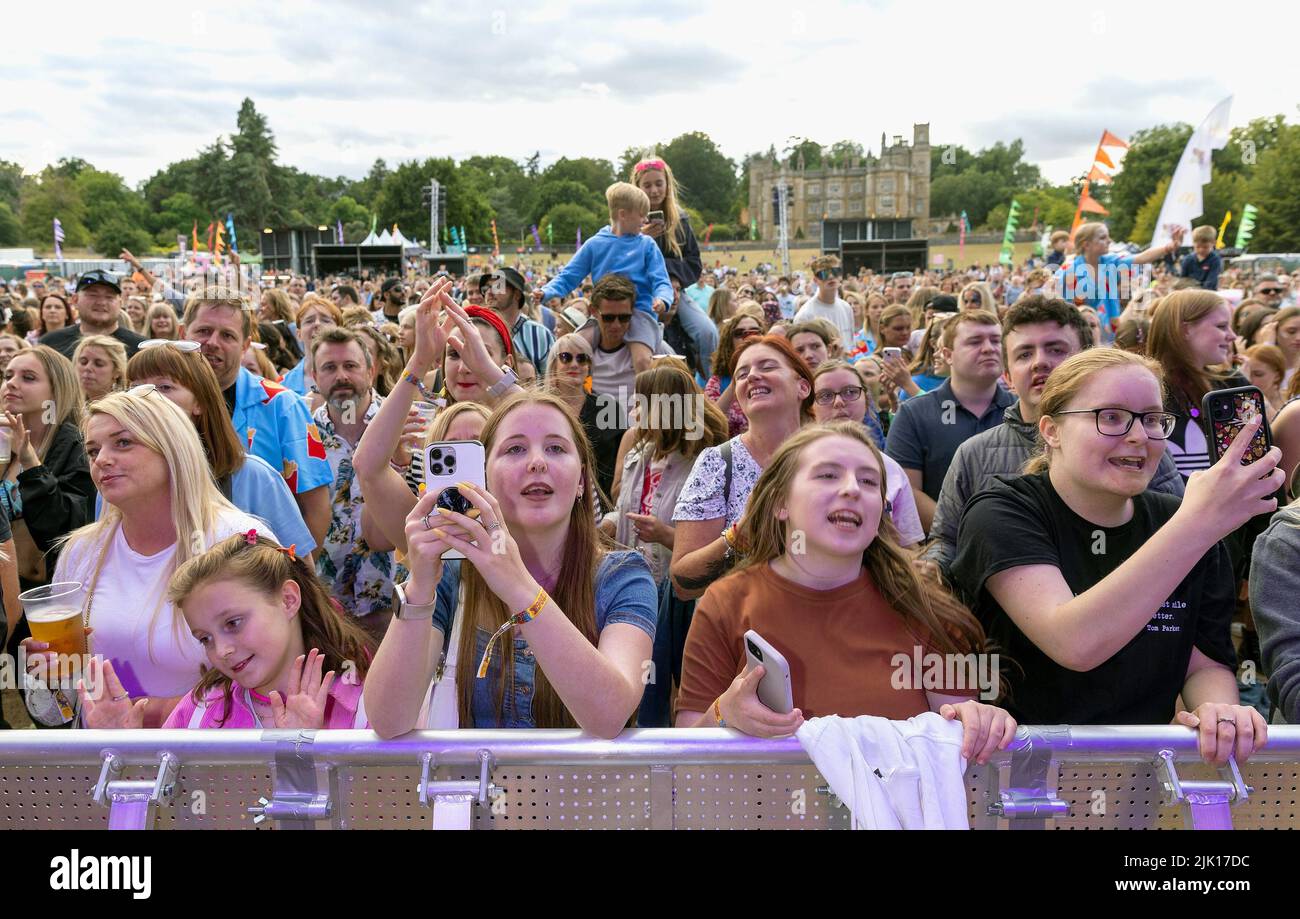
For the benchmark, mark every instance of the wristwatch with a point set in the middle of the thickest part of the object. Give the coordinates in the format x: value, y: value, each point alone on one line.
x: 404, y: 610
x: 503, y: 385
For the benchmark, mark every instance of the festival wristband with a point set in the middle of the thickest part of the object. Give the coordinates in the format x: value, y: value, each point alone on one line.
x: 528, y: 615
x: 415, y: 381
x: 717, y: 712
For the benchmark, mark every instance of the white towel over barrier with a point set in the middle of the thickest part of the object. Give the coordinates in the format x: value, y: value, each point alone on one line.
x: 892, y: 774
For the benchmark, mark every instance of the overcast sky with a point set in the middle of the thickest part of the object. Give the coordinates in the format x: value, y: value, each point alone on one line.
x: 343, y: 81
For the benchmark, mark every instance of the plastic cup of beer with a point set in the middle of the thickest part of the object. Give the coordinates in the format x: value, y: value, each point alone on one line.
x: 54, y: 616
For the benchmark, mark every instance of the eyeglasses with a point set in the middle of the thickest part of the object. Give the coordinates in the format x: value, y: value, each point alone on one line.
x: 177, y: 343
x: 566, y: 358
x: 826, y: 274
x: 745, y: 333
x: 1116, y: 422
x: 615, y: 317
x: 848, y: 394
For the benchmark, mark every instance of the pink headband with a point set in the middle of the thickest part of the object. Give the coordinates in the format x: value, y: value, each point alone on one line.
x: 650, y: 164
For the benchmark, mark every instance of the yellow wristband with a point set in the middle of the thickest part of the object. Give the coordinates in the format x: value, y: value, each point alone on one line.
x: 717, y: 712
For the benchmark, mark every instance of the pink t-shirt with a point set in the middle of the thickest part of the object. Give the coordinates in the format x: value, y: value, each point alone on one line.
x: 343, y: 710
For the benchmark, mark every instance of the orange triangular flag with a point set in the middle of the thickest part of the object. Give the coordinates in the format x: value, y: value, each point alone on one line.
x: 1096, y: 175
x: 1102, y: 157
x: 1110, y: 140
x: 1088, y: 203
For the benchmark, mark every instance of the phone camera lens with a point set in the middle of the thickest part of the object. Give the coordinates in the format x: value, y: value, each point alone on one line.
x: 435, y: 469
x: 435, y: 454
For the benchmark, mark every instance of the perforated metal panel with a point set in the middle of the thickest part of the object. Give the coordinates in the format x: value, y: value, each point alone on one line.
x: 751, y: 798
x: 1100, y: 795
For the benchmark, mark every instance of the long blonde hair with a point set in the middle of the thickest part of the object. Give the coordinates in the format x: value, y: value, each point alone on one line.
x: 929, y: 611
x: 671, y: 207
x: 196, y: 502
x: 574, y: 593
x: 1069, y: 378
x: 113, y: 349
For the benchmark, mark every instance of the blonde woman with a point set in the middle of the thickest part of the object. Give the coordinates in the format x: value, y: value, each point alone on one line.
x: 824, y: 581
x: 100, y: 363
x: 46, y: 488
x: 161, y: 322
x: 10, y: 344
x: 161, y: 508
x: 136, y: 312
x: 1115, y: 601
x: 722, y: 305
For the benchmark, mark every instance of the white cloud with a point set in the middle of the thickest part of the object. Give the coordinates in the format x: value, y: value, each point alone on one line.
x: 344, y: 82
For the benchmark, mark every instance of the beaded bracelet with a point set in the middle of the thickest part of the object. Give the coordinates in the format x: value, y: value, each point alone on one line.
x: 528, y: 615
x: 717, y: 712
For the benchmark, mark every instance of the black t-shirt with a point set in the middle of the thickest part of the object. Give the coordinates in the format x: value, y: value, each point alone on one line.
x: 1021, y: 520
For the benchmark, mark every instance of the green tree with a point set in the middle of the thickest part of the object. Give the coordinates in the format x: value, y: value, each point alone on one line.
x: 11, y: 231
x: 566, y: 219
x: 1272, y: 189
x: 1153, y: 155
x: 117, y: 234
x: 553, y: 192
x: 949, y: 160
x: 706, y: 179
x: 595, y: 175
x: 12, y: 181
x: 839, y: 155
x: 976, y: 193
x: 811, y: 150
x: 401, y: 200
x: 365, y: 191
x: 1144, y: 222
x: 54, y: 195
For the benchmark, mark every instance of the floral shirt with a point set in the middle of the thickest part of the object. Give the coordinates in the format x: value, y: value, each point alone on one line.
x: 362, y: 580
x: 701, y: 497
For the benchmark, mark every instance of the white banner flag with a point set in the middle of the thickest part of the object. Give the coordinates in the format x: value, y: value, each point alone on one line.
x: 1183, y: 201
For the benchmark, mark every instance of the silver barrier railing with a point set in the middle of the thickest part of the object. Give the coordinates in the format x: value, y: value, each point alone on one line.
x: 665, y: 778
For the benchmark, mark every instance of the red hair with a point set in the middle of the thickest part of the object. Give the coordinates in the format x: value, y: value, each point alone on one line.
x: 797, y: 363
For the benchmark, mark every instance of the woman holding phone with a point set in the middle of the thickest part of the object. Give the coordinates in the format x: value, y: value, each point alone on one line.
x: 1115, y: 601
x: 824, y: 581
x: 556, y: 625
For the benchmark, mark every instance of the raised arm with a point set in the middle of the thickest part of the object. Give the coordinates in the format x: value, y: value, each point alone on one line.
x: 1083, y: 632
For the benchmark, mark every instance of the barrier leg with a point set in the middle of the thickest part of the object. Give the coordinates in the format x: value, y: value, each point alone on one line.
x: 133, y: 805
x: 453, y: 802
x: 1209, y: 804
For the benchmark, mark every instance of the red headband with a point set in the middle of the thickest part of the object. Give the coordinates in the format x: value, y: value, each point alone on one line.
x: 650, y: 164
x: 492, y: 319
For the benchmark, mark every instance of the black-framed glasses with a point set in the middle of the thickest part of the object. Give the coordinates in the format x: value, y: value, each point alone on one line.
x: 615, y: 317
x: 826, y: 274
x: 848, y: 394
x: 566, y: 358
x: 1116, y: 422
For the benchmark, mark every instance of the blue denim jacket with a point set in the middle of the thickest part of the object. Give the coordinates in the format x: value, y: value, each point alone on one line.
x: 625, y: 592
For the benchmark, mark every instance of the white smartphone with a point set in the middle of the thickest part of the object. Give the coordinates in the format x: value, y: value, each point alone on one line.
x: 774, y: 689
x: 892, y: 352
x: 447, y: 463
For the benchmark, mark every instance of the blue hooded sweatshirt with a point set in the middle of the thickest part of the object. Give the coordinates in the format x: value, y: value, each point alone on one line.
x: 635, y: 257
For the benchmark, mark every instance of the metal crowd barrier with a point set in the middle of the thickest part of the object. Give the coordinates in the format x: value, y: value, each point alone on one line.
x: 1050, y: 777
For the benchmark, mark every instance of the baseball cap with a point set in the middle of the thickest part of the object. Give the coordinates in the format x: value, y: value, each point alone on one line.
x: 390, y: 284
x: 512, y: 277
x: 98, y: 276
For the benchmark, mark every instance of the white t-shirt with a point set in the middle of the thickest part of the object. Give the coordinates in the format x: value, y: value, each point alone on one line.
x: 131, y: 588
x: 613, y: 376
x: 839, y: 314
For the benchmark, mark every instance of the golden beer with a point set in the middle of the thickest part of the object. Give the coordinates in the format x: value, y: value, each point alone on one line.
x: 60, y: 628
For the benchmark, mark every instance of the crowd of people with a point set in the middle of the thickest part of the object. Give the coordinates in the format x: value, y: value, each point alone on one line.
x: 1001, y: 460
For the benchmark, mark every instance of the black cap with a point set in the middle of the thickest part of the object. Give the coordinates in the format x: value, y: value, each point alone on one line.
x: 513, y: 278
x: 943, y: 303
x: 98, y: 276
x: 390, y: 284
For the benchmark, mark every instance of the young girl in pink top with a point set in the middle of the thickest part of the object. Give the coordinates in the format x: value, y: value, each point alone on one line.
x: 280, y: 654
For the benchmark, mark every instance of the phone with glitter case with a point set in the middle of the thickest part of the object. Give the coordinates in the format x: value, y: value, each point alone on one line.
x: 1223, y: 413
x: 449, y: 462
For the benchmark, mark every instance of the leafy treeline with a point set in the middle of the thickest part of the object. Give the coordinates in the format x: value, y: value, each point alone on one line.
x: 241, y: 175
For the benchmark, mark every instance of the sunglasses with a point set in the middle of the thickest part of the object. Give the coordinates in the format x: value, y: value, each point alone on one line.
x: 179, y: 344
x: 615, y: 317
x: 827, y: 273
x: 566, y: 358
x: 1270, y: 290
x: 745, y: 333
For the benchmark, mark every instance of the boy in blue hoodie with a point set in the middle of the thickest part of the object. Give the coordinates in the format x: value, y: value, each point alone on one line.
x: 621, y: 248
